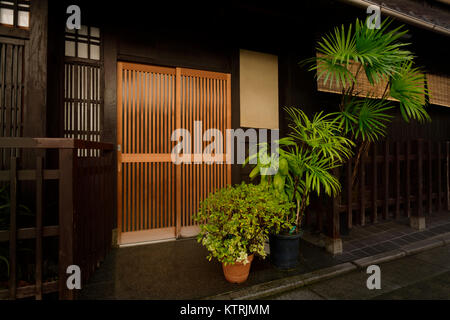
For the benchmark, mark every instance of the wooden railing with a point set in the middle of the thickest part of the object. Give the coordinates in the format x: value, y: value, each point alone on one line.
x: 43, y: 170
x: 394, y: 179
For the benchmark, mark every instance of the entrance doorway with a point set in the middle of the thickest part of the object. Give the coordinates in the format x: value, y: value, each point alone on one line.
x: 157, y: 198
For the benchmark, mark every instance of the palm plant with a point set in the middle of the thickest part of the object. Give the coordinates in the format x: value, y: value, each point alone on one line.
x: 305, y: 161
x: 385, y: 61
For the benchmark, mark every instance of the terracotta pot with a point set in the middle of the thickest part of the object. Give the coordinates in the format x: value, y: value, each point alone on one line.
x: 238, y: 272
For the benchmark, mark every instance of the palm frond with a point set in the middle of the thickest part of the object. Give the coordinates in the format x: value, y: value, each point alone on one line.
x: 407, y: 86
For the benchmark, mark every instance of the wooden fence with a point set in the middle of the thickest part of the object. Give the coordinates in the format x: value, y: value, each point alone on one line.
x: 84, y: 188
x: 394, y: 179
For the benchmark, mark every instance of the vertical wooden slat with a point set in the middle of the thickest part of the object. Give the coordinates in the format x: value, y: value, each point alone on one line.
x: 134, y: 149
x: 158, y: 149
x: 439, y: 176
x: 430, y: 177
x: 420, y: 178
x: 362, y: 189
x: 335, y: 227
x: 8, y: 93
x: 204, y: 117
x: 386, y: 180
x: 178, y: 167
x: 129, y: 149
x: 397, y: 180
x: 172, y: 166
x: 166, y: 150
x: 447, y: 173
x: 146, y: 150
x: 374, y: 185
x: 407, y: 202
x: 120, y: 148
x: 154, y: 149
x: 190, y: 107
x: 13, y: 229
x: 39, y: 203
x: 349, y: 195
x: 139, y: 144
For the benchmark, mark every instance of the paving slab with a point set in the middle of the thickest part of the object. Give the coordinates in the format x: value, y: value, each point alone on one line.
x: 282, y: 285
x: 379, y: 258
x: 303, y: 294
x: 408, y: 270
x: 434, y: 288
x: 438, y: 256
x: 422, y: 245
x: 350, y: 287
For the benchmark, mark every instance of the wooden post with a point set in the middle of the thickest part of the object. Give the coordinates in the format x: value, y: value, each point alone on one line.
x: 334, y: 242
x: 439, y: 170
x: 420, y: 178
x: 417, y: 220
x: 374, y: 185
x: 13, y: 229
x: 66, y: 219
x: 386, y: 180
x: 430, y: 177
x: 36, y: 68
x: 39, y: 204
x: 447, y: 175
x: 407, y: 202
x: 349, y: 195
x: 397, y: 180
x: 362, y: 185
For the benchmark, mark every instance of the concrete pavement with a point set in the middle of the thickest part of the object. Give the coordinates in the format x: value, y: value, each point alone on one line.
x: 424, y: 275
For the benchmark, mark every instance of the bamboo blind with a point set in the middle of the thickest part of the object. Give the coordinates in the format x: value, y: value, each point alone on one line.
x: 439, y: 87
x: 157, y: 198
x: 363, y: 88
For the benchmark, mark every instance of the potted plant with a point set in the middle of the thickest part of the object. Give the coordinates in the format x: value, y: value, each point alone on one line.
x: 303, y: 164
x: 235, y: 224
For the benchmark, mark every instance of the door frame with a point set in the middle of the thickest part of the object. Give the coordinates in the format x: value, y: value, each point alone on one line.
x: 178, y: 231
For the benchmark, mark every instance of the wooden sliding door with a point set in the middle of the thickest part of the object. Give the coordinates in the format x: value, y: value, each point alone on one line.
x: 156, y: 198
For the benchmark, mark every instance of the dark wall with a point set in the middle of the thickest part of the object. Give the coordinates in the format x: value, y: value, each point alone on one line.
x: 207, y: 35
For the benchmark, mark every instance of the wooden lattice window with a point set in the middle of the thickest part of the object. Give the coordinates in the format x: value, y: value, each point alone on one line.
x: 12, y: 92
x: 83, y: 43
x: 83, y: 86
x: 15, y: 13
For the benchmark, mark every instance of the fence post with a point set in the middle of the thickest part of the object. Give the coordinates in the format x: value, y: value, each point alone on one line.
x: 386, y: 180
x: 13, y: 229
x: 397, y: 180
x: 374, y: 185
x: 430, y: 177
x: 417, y: 220
x: 407, y: 202
x: 447, y: 169
x: 66, y: 219
x: 39, y: 234
x: 362, y: 190
x: 439, y: 170
x: 334, y: 242
x: 349, y: 195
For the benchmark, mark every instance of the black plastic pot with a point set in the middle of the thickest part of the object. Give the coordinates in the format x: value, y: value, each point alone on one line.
x: 284, y: 250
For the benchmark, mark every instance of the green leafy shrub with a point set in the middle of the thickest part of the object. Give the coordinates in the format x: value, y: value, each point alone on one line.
x: 236, y: 221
